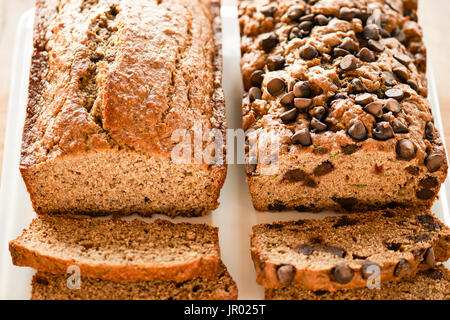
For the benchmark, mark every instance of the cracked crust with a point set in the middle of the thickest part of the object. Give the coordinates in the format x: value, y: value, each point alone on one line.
x: 109, y: 78
x: 397, y: 240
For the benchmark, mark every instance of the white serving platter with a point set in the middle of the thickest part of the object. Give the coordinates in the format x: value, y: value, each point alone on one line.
x: 234, y: 217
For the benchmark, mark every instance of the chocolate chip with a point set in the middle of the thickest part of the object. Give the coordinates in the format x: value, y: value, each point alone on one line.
x: 254, y: 94
x: 389, y: 78
x: 423, y: 237
x: 401, y: 72
x: 308, y: 52
x: 302, y: 137
x: 301, y: 208
x: 403, y: 58
x: 302, y: 89
x: 257, y: 78
x: 294, y: 13
x: 350, y: 149
x: 399, y: 35
x: 269, y: 42
x: 430, y: 258
x: 366, y: 55
x: 317, y: 125
x: 383, y: 131
x: 306, y: 26
x: 413, y: 84
x: 347, y: 13
x: 339, y: 52
x: 287, y: 99
x: 375, y: 46
x: 307, y: 17
x: 425, y: 194
x: 286, y: 274
x: 396, y: 94
x: 429, y: 182
x: 405, y: 149
x: 294, y: 33
x: 365, y: 266
x: 276, y: 206
x: 275, y: 86
x: 339, y: 252
x: 435, y: 161
x: 323, y: 169
x: 358, y: 85
x: 343, y: 273
x: 321, y: 20
x: 393, y: 246
x: 364, y: 99
x: 413, y: 170
x: 428, y: 222
x: 302, y: 104
x: 289, y: 115
x: 346, y: 203
x: 349, y: 44
x: 375, y: 108
x: 305, y: 249
x: 295, y: 175
x: 340, y: 95
x: 349, y: 63
x: 371, y: 32
x: 392, y: 105
x: 398, y: 126
x: 268, y: 11
x: 345, y: 221
x: 403, y: 269
x: 434, y: 274
x: 275, y: 62
x: 318, y: 112
x: 250, y: 168
x: 358, y: 131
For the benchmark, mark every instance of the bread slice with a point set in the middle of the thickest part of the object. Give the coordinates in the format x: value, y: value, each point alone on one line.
x: 433, y: 284
x: 47, y: 286
x: 335, y: 253
x: 119, y: 250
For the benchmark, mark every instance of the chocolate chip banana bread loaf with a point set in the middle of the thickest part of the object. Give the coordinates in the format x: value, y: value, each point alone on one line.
x: 433, y: 284
x: 47, y: 286
x: 342, y: 84
x: 119, y: 250
x: 342, y: 252
x: 111, y: 84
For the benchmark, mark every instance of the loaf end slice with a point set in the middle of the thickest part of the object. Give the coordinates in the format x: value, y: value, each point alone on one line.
x: 47, y: 286
x: 119, y: 250
x: 432, y: 284
x: 336, y: 253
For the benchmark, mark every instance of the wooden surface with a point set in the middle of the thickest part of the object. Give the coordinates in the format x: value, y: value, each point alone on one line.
x: 434, y: 17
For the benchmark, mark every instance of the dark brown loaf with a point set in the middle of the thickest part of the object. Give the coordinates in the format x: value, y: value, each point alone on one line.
x: 358, y: 133
x: 335, y: 253
x: 47, y: 286
x: 110, y: 82
x: 119, y: 250
x: 433, y: 284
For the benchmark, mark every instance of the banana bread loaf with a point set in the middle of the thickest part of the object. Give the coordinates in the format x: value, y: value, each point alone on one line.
x: 119, y: 250
x: 47, y: 286
x: 110, y: 83
x: 342, y: 84
x: 343, y: 252
x: 433, y: 284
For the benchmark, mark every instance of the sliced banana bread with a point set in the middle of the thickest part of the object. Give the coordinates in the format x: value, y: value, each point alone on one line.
x: 119, y: 250
x: 336, y: 252
x: 433, y: 284
x: 47, y: 286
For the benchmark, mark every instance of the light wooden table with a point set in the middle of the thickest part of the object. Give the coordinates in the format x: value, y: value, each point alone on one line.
x: 434, y: 17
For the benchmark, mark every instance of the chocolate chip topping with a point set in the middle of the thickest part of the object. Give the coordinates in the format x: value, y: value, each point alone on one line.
x: 287, y: 99
x: 392, y: 105
x: 371, y: 32
x: 306, y: 26
x: 349, y: 44
x: 435, y: 161
x: 347, y: 13
x: 405, y: 149
x: 375, y: 108
x: 254, y: 93
x: 396, y: 94
x: 349, y: 63
x: 343, y: 273
x: 269, y: 10
x: 383, y: 131
x: 307, y: 17
x: 366, y: 271
x: 429, y: 131
x: 366, y: 55
x: 257, y: 78
x: 398, y: 126
x: 403, y: 58
x: 302, y: 89
x: 358, y: 85
x: 339, y: 52
x: 430, y: 258
x: 269, y: 42
x: 302, y: 137
x: 275, y: 86
x: 403, y: 269
x: 294, y: 13
x: 275, y: 62
x: 375, y: 46
x: 289, y: 115
x: 389, y: 78
x: 358, y: 131
x: 286, y: 274
x: 302, y: 104
x: 401, y: 72
x: 318, y: 112
x: 364, y: 99
x: 308, y: 52
x: 321, y: 20
x: 317, y: 125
